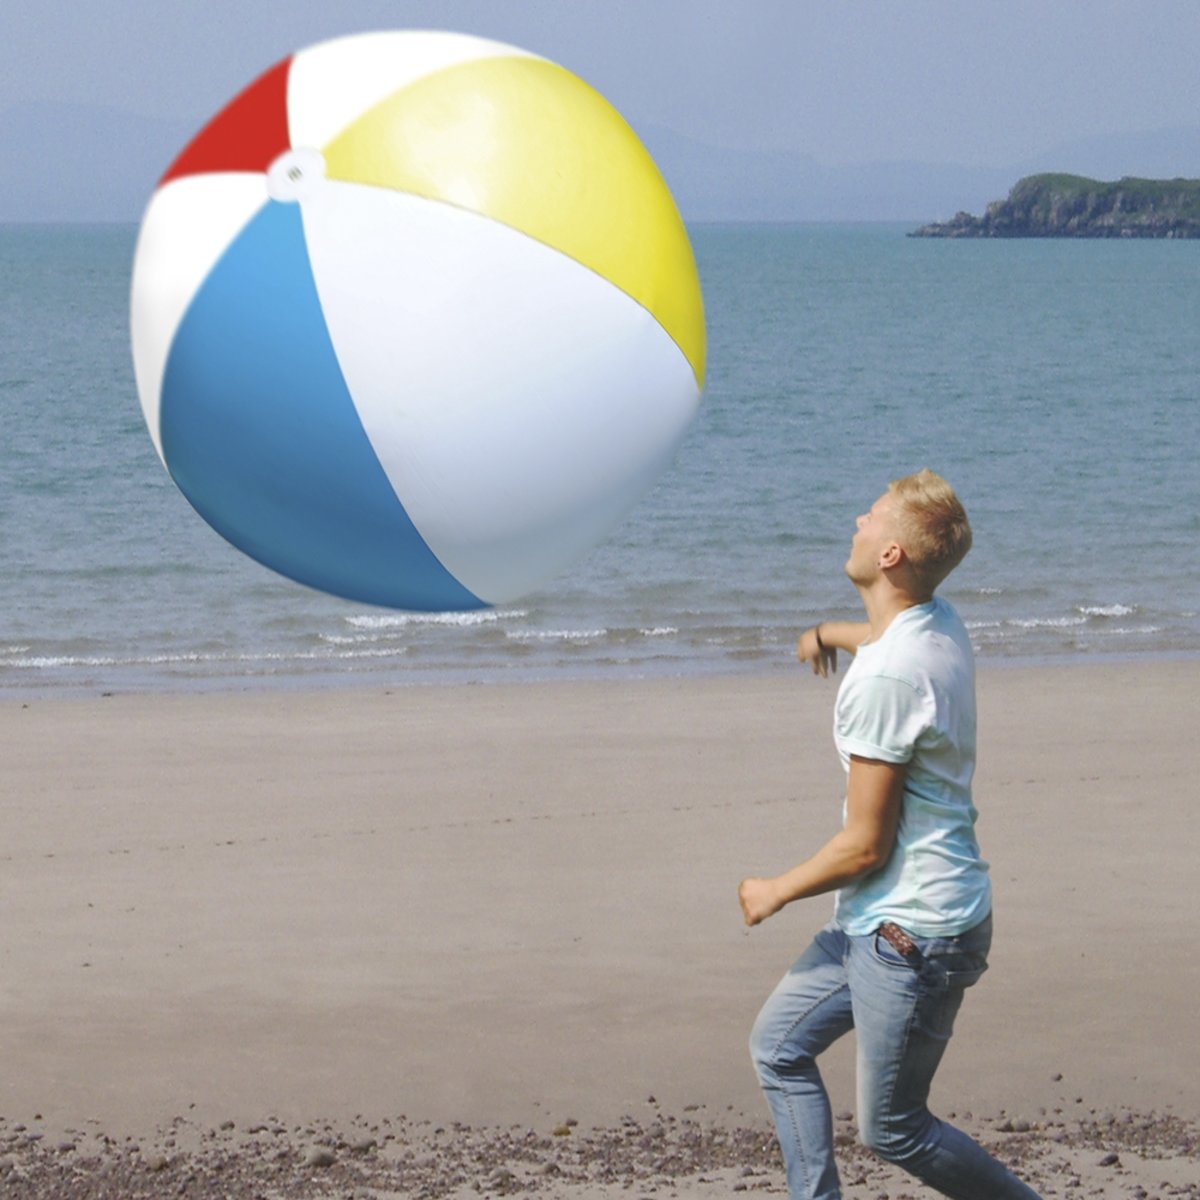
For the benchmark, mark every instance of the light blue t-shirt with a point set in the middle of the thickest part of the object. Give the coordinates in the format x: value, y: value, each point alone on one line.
x: 910, y: 698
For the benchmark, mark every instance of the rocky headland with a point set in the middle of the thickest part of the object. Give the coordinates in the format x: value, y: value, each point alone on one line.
x: 1073, y: 206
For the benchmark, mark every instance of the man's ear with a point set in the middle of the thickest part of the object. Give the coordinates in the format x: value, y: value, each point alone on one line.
x: 891, y: 556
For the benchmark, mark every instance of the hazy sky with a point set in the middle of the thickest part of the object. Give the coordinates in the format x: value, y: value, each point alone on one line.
x: 979, y: 82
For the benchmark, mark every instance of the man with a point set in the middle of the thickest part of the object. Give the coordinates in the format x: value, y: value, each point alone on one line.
x: 912, y: 916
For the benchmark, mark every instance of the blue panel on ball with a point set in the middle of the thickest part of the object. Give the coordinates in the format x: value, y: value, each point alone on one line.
x: 260, y: 433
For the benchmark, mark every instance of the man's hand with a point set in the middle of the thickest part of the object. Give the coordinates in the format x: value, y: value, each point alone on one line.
x: 760, y: 899
x: 812, y: 649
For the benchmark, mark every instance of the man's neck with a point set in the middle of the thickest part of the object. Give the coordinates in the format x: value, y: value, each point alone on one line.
x: 884, y: 602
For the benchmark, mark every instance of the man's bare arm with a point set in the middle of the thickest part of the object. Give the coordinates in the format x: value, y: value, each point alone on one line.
x: 819, y: 646
x: 862, y: 845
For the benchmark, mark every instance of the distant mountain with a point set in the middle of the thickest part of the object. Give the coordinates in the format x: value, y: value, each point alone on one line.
x: 73, y: 162
x: 1154, y: 154
x: 719, y: 183
x: 715, y: 183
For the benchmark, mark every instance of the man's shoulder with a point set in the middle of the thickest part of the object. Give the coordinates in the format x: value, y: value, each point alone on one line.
x: 885, y: 671
x: 934, y: 624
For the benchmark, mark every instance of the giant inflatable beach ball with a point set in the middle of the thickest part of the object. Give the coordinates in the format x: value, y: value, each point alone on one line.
x: 415, y: 320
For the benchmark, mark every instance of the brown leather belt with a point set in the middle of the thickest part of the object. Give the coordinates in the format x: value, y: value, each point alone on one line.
x: 897, y: 939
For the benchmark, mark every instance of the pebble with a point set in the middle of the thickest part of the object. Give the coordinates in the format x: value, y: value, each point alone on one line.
x: 517, y: 1159
x: 1010, y: 1126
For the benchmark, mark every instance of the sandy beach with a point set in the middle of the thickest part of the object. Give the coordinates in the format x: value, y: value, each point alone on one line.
x: 443, y: 940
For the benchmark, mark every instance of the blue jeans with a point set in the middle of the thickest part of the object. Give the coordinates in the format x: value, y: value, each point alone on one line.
x: 903, y: 1011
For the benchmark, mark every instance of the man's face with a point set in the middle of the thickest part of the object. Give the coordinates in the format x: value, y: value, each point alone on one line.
x: 876, y: 531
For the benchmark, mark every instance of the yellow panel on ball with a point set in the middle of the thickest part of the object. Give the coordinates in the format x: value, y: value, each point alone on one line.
x: 527, y: 143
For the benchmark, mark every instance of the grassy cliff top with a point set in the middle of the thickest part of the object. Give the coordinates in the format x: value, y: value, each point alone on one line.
x: 1181, y: 195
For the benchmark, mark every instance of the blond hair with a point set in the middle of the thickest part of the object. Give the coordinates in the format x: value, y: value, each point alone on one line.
x: 931, y: 525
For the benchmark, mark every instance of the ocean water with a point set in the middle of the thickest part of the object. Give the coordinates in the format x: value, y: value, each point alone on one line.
x: 1055, y: 383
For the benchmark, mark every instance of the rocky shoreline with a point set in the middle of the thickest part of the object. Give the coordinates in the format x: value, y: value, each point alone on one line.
x: 1097, y: 1154
x: 1072, y: 206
